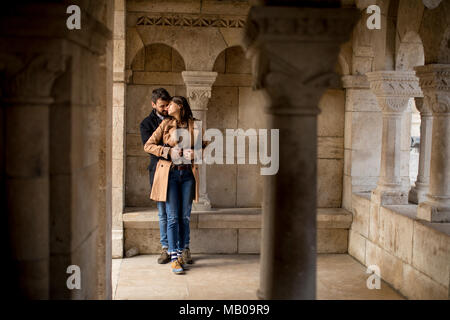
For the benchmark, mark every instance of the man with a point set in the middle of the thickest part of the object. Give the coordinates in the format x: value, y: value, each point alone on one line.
x: 160, y: 101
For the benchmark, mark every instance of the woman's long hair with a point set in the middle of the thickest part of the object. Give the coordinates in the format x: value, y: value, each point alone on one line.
x: 185, y: 112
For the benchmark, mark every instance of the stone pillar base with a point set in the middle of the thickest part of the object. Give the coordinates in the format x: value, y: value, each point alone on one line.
x: 428, y: 212
x: 117, y: 244
x: 259, y: 294
x: 203, y: 204
x: 389, y: 197
x: 418, y: 194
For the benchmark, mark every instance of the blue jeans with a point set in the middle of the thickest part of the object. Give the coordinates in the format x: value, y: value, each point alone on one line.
x: 162, y: 215
x: 180, y: 193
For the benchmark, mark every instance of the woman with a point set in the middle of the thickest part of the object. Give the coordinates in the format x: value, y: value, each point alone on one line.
x: 176, y: 179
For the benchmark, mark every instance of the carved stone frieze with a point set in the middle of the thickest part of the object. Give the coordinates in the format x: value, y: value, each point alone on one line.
x: 355, y: 82
x: 314, y: 24
x: 186, y: 20
x: 393, y: 89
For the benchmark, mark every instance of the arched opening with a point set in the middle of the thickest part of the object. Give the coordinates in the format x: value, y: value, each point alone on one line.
x: 154, y: 66
x: 234, y: 105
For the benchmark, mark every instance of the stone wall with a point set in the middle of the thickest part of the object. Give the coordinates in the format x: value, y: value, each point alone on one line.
x: 330, y: 154
x: 413, y: 255
x: 155, y: 58
x: 233, y: 105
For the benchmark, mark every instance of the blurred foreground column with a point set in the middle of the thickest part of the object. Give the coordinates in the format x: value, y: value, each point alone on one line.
x: 294, y: 51
x: 27, y: 99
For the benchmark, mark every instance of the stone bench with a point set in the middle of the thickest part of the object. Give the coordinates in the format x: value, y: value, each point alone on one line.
x: 230, y: 230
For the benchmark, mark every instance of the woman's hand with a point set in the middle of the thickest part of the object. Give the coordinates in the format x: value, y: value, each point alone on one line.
x: 175, y: 153
x: 188, y: 154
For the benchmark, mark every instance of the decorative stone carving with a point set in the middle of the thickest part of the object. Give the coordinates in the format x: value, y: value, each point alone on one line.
x: 275, y: 71
x: 199, y: 98
x: 355, y: 82
x: 319, y: 24
x: 435, y: 83
x: 30, y: 79
x: 198, y: 86
x: 187, y: 20
x: 431, y: 4
x: 397, y: 83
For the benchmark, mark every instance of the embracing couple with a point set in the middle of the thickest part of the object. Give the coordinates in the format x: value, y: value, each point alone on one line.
x: 173, y: 176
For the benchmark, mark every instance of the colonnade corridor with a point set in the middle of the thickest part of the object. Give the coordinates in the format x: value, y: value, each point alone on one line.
x: 351, y: 99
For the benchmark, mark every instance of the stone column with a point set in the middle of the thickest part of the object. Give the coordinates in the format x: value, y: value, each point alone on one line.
x: 198, y: 90
x: 293, y: 52
x: 435, y: 83
x: 27, y: 99
x: 361, y: 150
x: 419, y: 191
x: 393, y: 90
x: 118, y: 130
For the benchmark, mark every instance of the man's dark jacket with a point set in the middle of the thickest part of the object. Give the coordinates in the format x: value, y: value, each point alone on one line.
x: 147, y: 127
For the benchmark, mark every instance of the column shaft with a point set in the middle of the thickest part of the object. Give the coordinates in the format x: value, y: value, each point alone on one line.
x: 28, y: 194
x: 435, y: 83
x: 419, y: 191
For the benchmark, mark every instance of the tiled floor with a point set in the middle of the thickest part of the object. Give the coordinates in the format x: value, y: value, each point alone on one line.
x: 234, y: 277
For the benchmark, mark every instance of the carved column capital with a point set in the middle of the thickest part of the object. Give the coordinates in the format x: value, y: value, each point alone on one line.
x: 431, y: 4
x: 393, y: 89
x: 30, y: 79
x: 198, y: 87
x: 280, y: 39
x: 435, y: 83
x: 422, y: 106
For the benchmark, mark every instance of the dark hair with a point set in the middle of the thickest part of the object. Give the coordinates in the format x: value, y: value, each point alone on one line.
x: 185, y: 112
x: 160, y: 93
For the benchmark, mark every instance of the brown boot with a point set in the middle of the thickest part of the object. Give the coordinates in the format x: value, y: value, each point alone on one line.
x: 164, y: 257
x: 176, y: 267
x: 187, y: 256
x: 182, y: 263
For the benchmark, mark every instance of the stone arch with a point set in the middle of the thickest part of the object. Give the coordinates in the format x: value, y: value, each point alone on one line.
x: 188, y: 42
x: 410, y: 52
x: 154, y: 65
x: 232, y: 60
x: 234, y: 104
x: 361, y: 55
x: 343, y: 67
x: 435, y: 34
x: 384, y: 39
x: 409, y: 46
x: 158, y: 57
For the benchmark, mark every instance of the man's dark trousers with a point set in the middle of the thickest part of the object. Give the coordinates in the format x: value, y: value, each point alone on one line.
x: 147, y: 127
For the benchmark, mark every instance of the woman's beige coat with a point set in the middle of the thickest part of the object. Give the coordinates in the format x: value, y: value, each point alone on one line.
x: 165, y: 133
